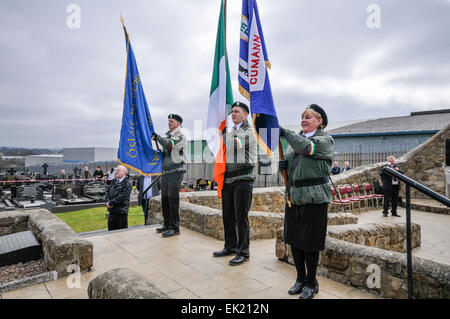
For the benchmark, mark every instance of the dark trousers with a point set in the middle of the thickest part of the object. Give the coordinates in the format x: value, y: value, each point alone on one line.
x: 236, y: 202
x: 170, y: 199
x: 145, y: 202
x: 117, y: 221
x: 391, y: 196
x: 306, y: 274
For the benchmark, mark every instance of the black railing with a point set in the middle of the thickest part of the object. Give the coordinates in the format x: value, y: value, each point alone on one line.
x: 425, y: 190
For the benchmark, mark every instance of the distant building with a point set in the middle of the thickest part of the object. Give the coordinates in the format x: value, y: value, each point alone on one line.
x: 89, y: 154
x: 391, y: 134
x: 7, y: 157
x: 38, y: 160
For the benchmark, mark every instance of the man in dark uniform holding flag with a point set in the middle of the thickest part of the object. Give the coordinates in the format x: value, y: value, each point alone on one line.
x: 238, y: 185
x: 174, y: 166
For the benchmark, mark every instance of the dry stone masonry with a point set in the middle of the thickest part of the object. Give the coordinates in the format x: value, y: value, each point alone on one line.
x: 61, y: 246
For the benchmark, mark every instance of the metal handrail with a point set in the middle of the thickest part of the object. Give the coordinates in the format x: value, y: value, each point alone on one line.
x: 425, y: 190
x: 421, y: 188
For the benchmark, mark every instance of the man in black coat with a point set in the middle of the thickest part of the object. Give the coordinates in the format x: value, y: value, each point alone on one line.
x: 391, y: 187
x: 118, y: 199
x: 98, y: 173
x: 142, y: 184
x: 335, y: 169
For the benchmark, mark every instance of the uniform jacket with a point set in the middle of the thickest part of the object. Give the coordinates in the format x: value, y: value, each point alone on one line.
x: 316, y: 158
x: 118, y: 196
x: 387, y: 179
x: 174, y: 151
x: 140, y: 187
x: 241, y: 152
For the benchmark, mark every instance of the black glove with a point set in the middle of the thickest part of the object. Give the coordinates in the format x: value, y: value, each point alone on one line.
x: 282, y: 131
x: 283, y: 165
x: 154, y: 136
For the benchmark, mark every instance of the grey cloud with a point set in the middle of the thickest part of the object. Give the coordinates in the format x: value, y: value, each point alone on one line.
x: 61, y: 87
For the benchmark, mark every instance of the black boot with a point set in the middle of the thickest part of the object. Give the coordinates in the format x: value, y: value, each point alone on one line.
x: 162, y: 229
x: 308, y: 293
x: 296, y: 288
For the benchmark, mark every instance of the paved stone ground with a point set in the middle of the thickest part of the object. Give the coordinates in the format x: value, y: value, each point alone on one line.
x: 183, y: 267
x: 435, y: 231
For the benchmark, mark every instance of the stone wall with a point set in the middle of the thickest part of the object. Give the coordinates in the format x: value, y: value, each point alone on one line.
x: 423, y: 164
x: 382, y: 272
x: 199, y: 211
x: 384, y: 236
x: 12, y: 222
x: 208, y: 221
x: 60, y: 244
x: 373, y: 269
x: 269, y: 199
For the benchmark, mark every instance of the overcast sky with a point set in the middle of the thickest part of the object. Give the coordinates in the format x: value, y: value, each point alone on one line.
x: 64, y: 87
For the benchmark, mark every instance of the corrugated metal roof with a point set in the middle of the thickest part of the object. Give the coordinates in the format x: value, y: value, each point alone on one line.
x: 412, y: 123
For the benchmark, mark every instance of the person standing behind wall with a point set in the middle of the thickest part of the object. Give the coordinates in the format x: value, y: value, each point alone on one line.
x: 117, y: 199
x: 174, y: 166
x: 238, y: 185
x: 336, y: 169
x: 346, y: 167
x: 391, y: 188
x: 143, y: 182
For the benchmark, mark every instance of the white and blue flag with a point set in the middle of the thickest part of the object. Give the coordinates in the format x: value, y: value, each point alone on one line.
x: 253, y: 77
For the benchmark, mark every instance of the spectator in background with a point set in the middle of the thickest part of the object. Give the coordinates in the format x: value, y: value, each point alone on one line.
x: 391, y: 187
x: 117, y: 199
x: 346, y: 167
x: 86, y: 174
x: 335, y: 169
x: 111, y: 175
x: 98, y: 174
x: 143, y: 182
x: 63, y: 176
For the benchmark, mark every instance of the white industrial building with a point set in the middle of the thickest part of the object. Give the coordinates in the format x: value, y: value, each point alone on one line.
x: 38, y: 160
x: 89, y: 154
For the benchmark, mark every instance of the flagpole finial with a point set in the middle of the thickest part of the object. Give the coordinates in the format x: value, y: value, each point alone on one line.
x: 122, y: 20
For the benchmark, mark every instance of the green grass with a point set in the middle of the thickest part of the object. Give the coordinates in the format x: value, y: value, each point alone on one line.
x: 95, y: 218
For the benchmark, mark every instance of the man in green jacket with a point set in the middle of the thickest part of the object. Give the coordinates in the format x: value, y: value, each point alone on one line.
x: 237, y: 190
x: 174, y: 167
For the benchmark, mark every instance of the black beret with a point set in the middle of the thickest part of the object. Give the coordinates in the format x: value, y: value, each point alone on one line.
x: 176, y: 117
x: 322, y: 113
x: 242, y: 106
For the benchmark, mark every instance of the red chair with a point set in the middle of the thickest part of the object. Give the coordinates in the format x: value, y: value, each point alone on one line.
x: 350, y: 196
x: 340, y: 202
x: 363, y: 197
x: 369, y: 192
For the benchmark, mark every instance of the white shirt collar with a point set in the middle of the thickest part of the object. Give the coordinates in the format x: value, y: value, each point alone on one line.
x: 309, y: 134
x: 237, y: 126
x: 120, y: 180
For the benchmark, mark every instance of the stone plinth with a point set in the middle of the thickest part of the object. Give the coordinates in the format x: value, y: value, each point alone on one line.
x: 123, y: 283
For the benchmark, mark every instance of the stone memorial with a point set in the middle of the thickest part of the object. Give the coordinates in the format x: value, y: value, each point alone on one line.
x: 19, y: 247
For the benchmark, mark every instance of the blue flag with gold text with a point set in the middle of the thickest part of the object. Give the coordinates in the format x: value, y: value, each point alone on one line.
x: 253, y: 77
x: 135, y: 147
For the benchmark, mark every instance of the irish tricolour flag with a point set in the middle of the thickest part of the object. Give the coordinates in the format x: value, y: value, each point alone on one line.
x: 220, y: 101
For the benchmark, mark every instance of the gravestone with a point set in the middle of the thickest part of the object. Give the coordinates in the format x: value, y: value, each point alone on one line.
x: 19, y: 247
